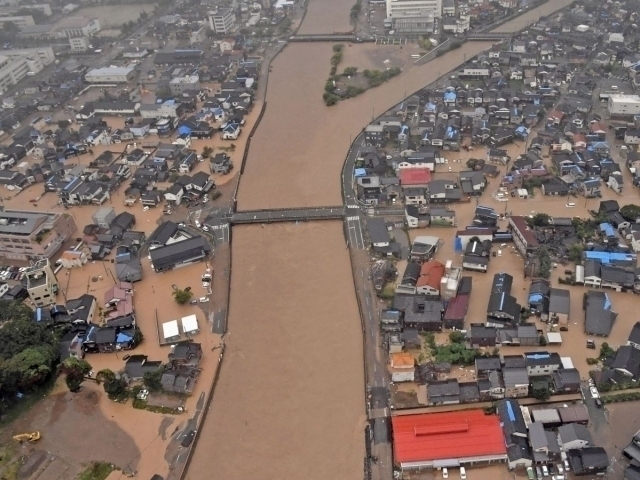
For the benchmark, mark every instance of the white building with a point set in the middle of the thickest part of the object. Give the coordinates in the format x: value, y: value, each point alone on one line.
x: 45, y: 54
x: 624, y: 104
x: 168, y: 109
x: 223, y: 21
x: 110, y: 75
x: 413, y: 16
x: 41, y: 7
x: 77, y: 27
x: 178, y: 85
x: 20, y: 21
x: 14, y: 69
x: 79, y: 44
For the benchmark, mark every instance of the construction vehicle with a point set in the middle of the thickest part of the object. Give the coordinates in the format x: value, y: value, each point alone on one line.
x: 27, y: 437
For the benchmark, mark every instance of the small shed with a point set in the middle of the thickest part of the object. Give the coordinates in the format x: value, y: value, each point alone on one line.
x: 190, y: 324
x: 554, y: 338
x: 522, y: 193
x: 170, y: 331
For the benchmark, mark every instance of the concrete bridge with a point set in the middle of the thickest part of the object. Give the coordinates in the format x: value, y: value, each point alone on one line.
x: 479, y: 37
x: 329, y: 38
x: 287, y: 215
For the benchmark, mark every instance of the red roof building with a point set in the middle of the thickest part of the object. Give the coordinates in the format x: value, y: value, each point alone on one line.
x: 415, y: 177
x: 447, y: 439
x: 456, y: 312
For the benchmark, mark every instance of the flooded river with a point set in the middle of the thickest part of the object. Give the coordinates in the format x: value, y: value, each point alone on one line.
x: 289, y: 402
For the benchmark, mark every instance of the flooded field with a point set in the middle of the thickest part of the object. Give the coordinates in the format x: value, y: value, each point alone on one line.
x: 289, y: 402
x: 298, y: 151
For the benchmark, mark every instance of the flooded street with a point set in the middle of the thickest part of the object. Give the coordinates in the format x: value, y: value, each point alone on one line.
x: 289, y: 401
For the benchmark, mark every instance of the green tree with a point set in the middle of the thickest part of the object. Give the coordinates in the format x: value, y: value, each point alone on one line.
x: 456, y: 337
x: 182, y: 296
x: 285, y: 26
x: 10, y: 29
x: 338, y: 47
x: 606, y: 351
x: 207, y: 151
x: 575, y: 252
x: 63, y: 124
x: 350, y: 71
x: 163, y: 92
x: 12, y: 310
x: 153, y: 380
x: 22, y: 333
x: 630, y: 212
x: 74, y: 370
x: 539, y: 220
x: 544, y: 262
x: 114, y: 386
x: 33, y: 366
x: 541, y: 393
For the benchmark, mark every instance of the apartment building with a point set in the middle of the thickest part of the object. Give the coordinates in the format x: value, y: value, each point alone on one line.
x: 40, y: 7
x: 223, y: 21
x: 19, y: 21
x: 45, y: 54
x: 42, y: 284
x: 79, y: 44
x: 178, y: 85
x: 27, y: 235
x: 14, y: 70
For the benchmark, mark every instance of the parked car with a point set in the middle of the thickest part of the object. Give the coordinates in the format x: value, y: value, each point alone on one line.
x: 463, y: 473
x: 594, y: 392
x: 445, y: 473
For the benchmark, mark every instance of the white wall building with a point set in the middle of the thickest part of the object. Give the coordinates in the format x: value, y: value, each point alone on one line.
x: 77, y: 27
x: 20, y: 22
x: 110, y: 75
x: 413, y: 15
x: 223, y: 21
x: 45, y: 54
x: 624, y: 105
x: 79, y: 44
x: 12, y: 70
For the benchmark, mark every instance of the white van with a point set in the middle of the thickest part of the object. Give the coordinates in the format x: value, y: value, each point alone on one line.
x: 571, y: 205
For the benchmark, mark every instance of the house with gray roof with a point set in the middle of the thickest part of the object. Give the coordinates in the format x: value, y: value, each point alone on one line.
x: 516, y: 382
x: 566, y: 380
x: 544, y: 444
x: 559, y: 307
x: 445, y: 392
x: 574, y: 435
x: 515, y: 433
x: 598, y: 314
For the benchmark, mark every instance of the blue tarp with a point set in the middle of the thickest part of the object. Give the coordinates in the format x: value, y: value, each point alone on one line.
x: 609, y: 257
x: 184, y: 130
x: 607, y: 229
x: 360, y: 172
x: 123, y: 338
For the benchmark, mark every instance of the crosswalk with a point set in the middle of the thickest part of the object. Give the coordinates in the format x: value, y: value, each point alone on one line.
x: 353, y: 207
x: 353, y: 219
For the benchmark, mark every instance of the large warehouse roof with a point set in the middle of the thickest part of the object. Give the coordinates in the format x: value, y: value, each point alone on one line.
x: 447, y: 435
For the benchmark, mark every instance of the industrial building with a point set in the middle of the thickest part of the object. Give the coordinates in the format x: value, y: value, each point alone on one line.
x: 110, y: 75
x: 447, y: 439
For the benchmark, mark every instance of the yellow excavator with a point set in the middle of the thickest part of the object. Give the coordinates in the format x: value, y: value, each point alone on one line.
x: 27, y: 437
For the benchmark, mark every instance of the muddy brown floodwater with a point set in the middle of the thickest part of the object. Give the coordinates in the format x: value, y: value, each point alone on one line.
x: 297, y: 153
x: 289, y: 402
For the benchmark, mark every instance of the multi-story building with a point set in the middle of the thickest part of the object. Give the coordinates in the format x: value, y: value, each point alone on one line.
x: 14, y: 70
x: 223, y: 21
x: 42, y: 284
x: 413, y: 15
x: 45, y: 54
x: 178, y: 85
x: 26, y: 235
x: 79, y: 44
x: 77, y: 27
x: 624, y: 105
x: 19, y: 21
x: 40, y: 7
